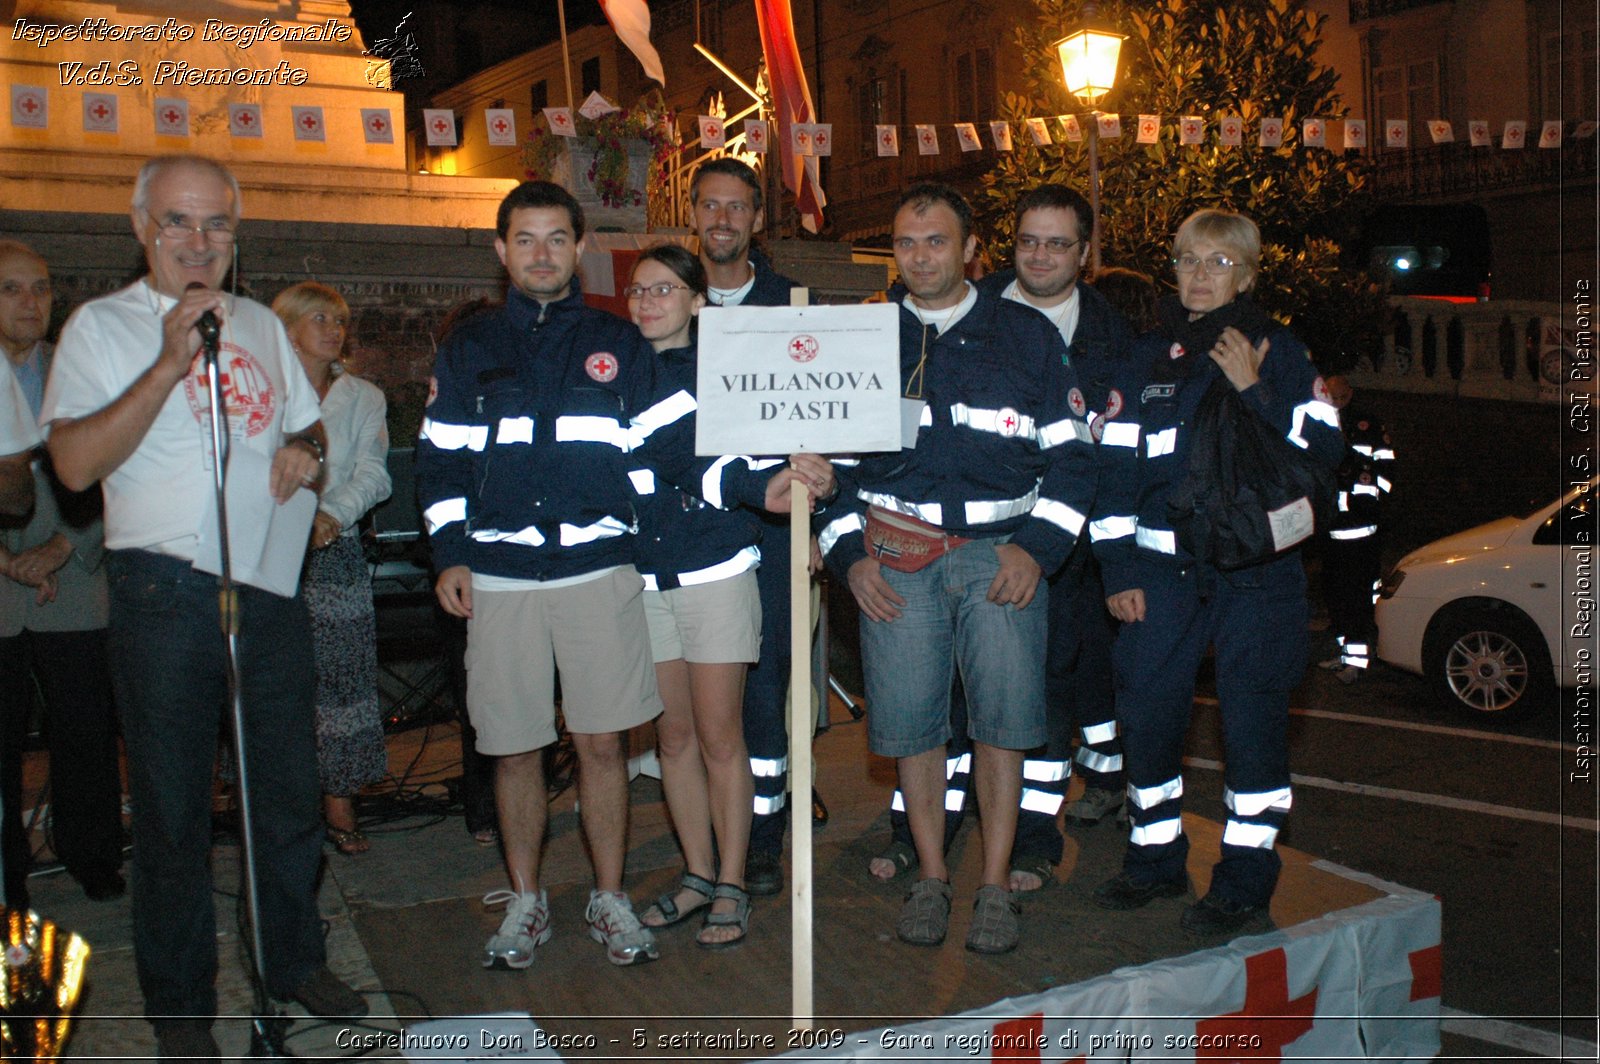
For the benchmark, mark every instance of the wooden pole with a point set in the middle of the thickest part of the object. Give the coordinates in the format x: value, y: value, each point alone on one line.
x: 801, y: 966
x: 566, y: 60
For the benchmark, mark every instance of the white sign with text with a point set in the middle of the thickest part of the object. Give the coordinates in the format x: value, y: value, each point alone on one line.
x: 778, y: 380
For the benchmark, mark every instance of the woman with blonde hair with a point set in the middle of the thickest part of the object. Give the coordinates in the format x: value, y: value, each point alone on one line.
x: 337, y: 584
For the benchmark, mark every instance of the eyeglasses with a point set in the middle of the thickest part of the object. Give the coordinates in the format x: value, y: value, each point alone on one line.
x: 1055, y: 245
x: 660, y: 291
x: 215, y: 232
x: 1214, y: 264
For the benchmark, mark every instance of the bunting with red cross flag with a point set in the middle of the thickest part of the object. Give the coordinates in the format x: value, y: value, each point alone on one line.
x: 1110, y: 126
x: 967, y: 136
x: 927, y: 140
x: 308, y: 124
x: 888, y: 140
x: 1039, y: 130
x: 1441, y: 132
x: 1271, y: 133
x: 1071, y: 126
x: 821, y: 139
x: 561, y: 123
x: 99, y: 112
x: 1515, y: 135
x: 172, y: 116
x: 1149, y: 129
x: 1396, y: 133
x: 30, y: 106
x: 1230, y: 131
x: 244, y: 120
x: 501, y: 125
x: 712, y: 134
x: 1192, y: 130
x: 377, y: 125
x: 755, y: 135
x: 1001, y: 132
x: 439, y: 127
x: 1355, y: 133
x: 1478, y: 133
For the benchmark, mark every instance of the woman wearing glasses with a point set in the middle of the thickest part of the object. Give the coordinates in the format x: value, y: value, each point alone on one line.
x: 700, y: 598
x: 338, y: 587
x: 1173, y: 606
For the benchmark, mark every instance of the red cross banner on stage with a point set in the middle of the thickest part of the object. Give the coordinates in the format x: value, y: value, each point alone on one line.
x: 172, y: 117
x: 755, y: 136
x: 1110, y: 126
x: 1396, y: 133
x: 308, y: 124
x: 1149, y: 129
x: 1441, y: 131
x: 1039, y: 130
x: 560, y: 119
x: 1355, y: 133
x: 1515, y: 135
x: 791, y: 103
x: 1192, y: 130
x: 1001, y: 132
x: 631, y: 21
x: 1550, y: 135
x: 244, y: 120
x: 501, y: 123
x: 1230, y: 131
x: 1071, y: 126
x: 30, y: 106
x: 377, y: 125
x: 888, y: 140
x: 967, y: 136
x: 1478, y: 133
x: 439, y: 127
x: 711, y: 132
x: 1271, y: 133
x: 1401, y: 981
x: 927, y: 140
x: 99, y: 112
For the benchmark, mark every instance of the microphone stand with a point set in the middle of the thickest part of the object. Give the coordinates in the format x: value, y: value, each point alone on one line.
x: 268, y: 1026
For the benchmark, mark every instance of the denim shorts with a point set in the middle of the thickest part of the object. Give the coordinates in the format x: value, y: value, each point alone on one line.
x: 948, y: 623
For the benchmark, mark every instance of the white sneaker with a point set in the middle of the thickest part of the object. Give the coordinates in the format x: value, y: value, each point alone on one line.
x: 525, y: 927
x: 613, y: 924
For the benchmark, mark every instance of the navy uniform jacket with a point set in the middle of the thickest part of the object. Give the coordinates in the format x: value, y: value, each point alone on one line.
x: 533, y: 421
x: 682, y: 541
x: 1144, y: 455
x: 1000, y: 450
x: 1365, y: 478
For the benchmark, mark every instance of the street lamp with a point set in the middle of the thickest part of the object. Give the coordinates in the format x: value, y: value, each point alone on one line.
x: 1089, y: 69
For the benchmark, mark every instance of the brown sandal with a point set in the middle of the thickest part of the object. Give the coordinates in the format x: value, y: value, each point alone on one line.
x: 349, y: 843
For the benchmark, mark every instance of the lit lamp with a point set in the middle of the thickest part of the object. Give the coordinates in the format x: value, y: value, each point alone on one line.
x: 1089, y: 69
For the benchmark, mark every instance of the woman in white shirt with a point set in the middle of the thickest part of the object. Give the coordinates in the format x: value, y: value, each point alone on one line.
x: 337, y: 584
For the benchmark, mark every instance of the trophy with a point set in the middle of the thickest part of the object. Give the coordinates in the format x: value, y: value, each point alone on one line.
x: 41, y: 976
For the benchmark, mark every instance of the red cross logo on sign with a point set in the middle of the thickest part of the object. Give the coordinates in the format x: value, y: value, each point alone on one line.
x: 888, y: 138
x: 1007, y: 422
x: 601, y: 366
x: 927, y: 138
x: 309, y: 121
x: 1148, y: 127
x: 560, y: 119
x: 171, y: 117
x: 378, y: 125
x: 499, y: 125
x: 822, y: 140
x: 1313, y: 130
x: 1270, y: 129
x: 1230, y: 129
x: 1191, y: 129
x: 440, y: 125
x: 100, y: 110
x: 29, y: 104
x: 755, y: 136
x: 803, y: 348
x: 246, y: 118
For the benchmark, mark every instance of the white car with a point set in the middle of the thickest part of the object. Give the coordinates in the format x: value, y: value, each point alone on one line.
x: 1496, y: 616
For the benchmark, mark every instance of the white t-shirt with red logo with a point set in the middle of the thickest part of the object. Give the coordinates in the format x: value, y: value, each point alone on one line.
x: 158, y: 497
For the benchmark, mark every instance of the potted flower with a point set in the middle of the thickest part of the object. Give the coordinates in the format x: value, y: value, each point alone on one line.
x: 612, y: 161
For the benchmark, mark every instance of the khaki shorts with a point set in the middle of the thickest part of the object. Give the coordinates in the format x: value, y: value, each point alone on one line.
x: 707, y: 623
x: 594, y: 633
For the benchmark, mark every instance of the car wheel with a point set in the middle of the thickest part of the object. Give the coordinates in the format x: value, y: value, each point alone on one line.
x: 1489, y: 663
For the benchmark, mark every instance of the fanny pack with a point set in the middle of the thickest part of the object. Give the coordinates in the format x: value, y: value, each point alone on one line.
x: 904, y: 543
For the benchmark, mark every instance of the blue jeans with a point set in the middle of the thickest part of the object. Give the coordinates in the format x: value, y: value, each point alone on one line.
x: 168, y: 660
x: 949, y: 623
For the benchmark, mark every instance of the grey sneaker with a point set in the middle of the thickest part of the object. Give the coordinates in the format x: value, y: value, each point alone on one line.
x: 613, y: 924
x: 1096, y: 804
x: 525, y: 927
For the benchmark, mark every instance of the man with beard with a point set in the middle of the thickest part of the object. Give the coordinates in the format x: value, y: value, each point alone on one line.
x: 1053, y: 226
x: 943, y: 543
x: 726, y: 197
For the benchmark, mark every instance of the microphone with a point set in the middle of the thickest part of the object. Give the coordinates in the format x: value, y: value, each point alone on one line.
x: 208, y: 327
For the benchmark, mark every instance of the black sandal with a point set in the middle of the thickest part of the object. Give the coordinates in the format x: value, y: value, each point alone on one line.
x: 667, y: 904
x: 740, y: 917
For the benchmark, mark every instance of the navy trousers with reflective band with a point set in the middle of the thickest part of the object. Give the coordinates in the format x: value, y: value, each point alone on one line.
x: 1256, y: 618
